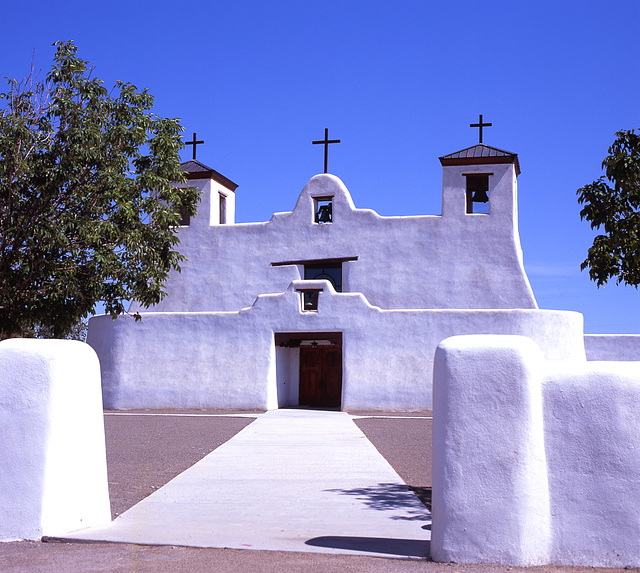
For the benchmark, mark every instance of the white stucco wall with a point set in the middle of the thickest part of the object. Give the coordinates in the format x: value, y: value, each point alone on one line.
x: 53, y: 474
x: 615, y: 347
x: 287, y: 376
x: 490, y: 499
x: 209, y: 206
x: 450, y: 261
x: 534, y: 461
x: 228, y: 359
x: 591, y: 414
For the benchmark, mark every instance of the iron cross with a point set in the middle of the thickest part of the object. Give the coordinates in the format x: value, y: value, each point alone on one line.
x: 326, y: 143
x: 194, y: 143
x: 479, y: 125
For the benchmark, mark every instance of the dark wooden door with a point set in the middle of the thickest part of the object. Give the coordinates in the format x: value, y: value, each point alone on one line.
x: 321, y: 376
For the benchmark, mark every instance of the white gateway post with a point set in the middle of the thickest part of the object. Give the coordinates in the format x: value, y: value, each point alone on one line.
x: 53, y: 475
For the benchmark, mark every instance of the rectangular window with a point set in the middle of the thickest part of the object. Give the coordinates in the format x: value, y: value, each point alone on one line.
x: 478, y: 194
x: 310, y: 300
x: 185, y: 219
x: 223, y: 209
x: 329, y: 271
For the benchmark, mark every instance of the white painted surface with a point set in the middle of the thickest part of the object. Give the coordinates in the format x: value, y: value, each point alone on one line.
x: 576, y: 503
x: 416, y: 281
x: 209, y: 206
x: 228, y: 359
x: 293, y: 480
x: 490, y: 495
x: 592, y: 414
x: 53, y: 475
x: 612, y: 347
x: 449, y: 261
x: 288, y: 376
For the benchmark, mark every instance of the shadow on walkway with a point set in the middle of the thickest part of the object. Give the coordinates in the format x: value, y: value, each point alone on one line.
x: 405, y: 547
x: 387, y: 497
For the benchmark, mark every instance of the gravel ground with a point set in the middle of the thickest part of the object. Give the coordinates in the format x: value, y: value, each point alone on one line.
x: 145, y: 451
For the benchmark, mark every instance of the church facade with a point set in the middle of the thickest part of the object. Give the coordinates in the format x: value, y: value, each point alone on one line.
x: 329, y: 305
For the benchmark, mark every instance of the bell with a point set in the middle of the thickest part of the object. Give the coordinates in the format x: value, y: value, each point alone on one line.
x: 480, y: 196
x: 324, y: 214
x: 310, y: 300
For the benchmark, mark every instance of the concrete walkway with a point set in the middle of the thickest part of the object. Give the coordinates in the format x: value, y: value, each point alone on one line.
x: 293, y: 480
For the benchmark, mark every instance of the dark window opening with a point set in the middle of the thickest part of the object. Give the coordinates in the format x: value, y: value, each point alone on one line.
x: 323, y: 210
x: 328, y: 271
x: 295, y: 339
x: 185, y: 219
x: 478, y: 194
x: 310, y: 300
x: 223, y: 209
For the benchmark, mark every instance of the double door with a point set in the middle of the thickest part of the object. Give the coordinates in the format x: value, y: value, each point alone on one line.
x: 320, y: 376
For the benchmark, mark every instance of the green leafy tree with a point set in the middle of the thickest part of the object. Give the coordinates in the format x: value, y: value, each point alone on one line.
x: 77, y: 332
x: 88, y: 203
x: 614, y: 207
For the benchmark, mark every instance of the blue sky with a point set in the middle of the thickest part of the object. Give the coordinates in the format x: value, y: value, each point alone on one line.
x: 398, y: 82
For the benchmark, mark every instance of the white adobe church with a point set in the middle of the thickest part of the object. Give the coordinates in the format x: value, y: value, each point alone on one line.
x: 329, y: 305
x: 336, y: 307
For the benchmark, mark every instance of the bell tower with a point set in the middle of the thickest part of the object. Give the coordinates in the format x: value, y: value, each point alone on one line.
x: 480, y: 181
x: 218, y: 202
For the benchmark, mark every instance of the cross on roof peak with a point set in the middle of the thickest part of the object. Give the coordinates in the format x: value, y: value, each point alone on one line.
x: 326, y: 141
x: 479, y: 125
x: 194, y: 142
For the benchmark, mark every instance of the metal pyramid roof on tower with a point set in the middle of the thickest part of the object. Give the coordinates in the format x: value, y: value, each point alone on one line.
x: 481, y: 154
x: 194, y: 169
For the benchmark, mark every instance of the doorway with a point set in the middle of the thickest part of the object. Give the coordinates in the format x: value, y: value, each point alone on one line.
x: 320, y: 376
x: 309, y: 369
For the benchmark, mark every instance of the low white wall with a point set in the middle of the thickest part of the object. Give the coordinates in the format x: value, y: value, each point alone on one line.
x: 53, y: 474
x: 227, y: 359
x: 591, y: 415
x: 504, y: 490
x: 613, y: 347
x: 490, y: 496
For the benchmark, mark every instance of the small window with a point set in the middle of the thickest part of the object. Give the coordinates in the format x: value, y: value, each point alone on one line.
x: 185, y: 219
x: 328, y: 271
x: 310, y: 300
x: 323, y: 210
x: 478, y: 194
x: 223, y: 209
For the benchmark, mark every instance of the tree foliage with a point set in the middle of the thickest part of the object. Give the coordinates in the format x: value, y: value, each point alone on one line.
x: 88, y: 206
x: 78, y: 331
x: 614, y: 207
